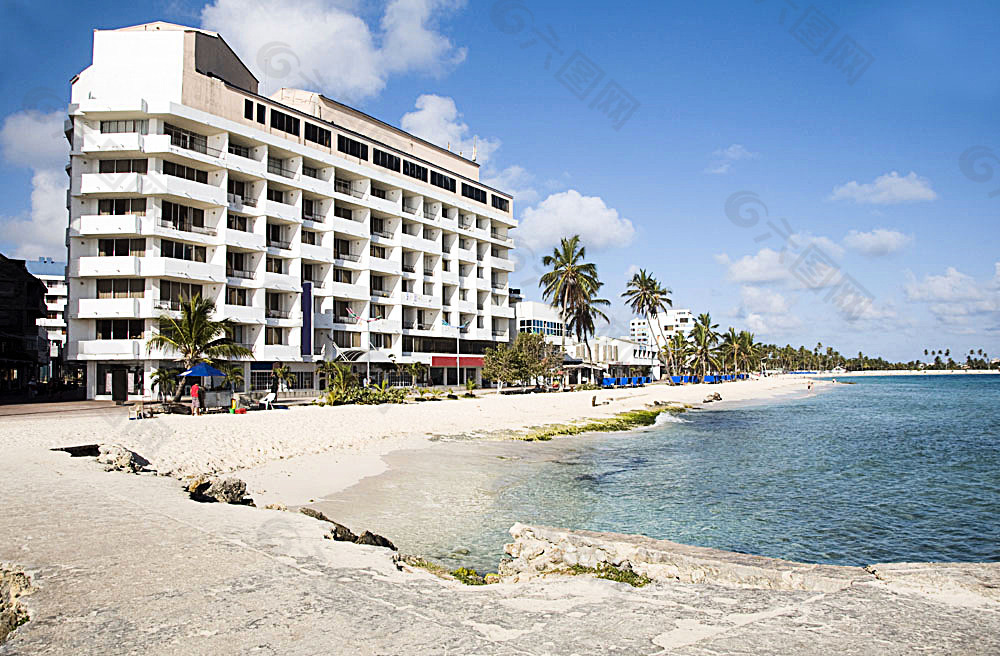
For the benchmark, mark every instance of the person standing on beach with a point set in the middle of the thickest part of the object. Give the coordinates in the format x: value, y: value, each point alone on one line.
x: 195, y: 399
x: 274, y: 385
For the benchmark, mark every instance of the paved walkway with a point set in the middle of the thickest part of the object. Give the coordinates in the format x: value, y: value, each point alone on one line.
x: 127, y: 564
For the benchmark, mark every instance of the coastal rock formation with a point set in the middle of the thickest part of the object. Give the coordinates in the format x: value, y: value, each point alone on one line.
x: 207, y: 489
x: 339, y: 532
x: 14, y: 584
x: 375, y: 540
x: 118, y: 458
x: 539, y: 550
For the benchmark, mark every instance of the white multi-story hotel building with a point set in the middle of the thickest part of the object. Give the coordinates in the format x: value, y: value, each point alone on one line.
x: 665, y: 326
x: 53, y: 276
x: 320, y: 231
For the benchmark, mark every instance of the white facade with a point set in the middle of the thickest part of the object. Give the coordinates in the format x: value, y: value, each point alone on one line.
x: 618, y: 356
x: 665, y: 326
x: 53, y: 276
x: 543, y: 319
x: 299, y: 217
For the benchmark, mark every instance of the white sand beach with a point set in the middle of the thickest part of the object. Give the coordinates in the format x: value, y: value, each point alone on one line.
x: 296, y: 455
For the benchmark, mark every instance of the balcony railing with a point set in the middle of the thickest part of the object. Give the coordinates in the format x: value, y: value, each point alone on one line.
x: 463, y: 329
x: 409, y: 325
x: 167, y: 304
x: 408, y: 209
x: 381, y: 293
x: 312, y: 216
x: 186, y: 227
x: 345, y: 318
x: 192, y: 142
x: 351, y: 257
x: 240, y: 273
x: 499, y: 333
x: 345, y: 187
x: 428, y: 272
x: 423, y: 326
x: 279, y: 243
x: 236, y: 199
x: 382, y: 233
x: 409, y: 268
x: 239, y: 151
x: 496, y: 235
x: 278, y: 169
x: 272, y: 313
x: 316, y: 284
x: 500, y: 286
x: 379, y: 193
x: 429, y: 214
x: 466, y: 225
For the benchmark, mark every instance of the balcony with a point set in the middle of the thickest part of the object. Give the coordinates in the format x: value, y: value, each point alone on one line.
x: 251, y: 241
x: 381, y: 293
x: 108, y: 349
x: 313, y: 216
x: 429, y: 215
x: 428, y: 272
x: 239, y: 151
x: 342, y: 186
x: 97, y: 266
x: 184, y: 226
x: 279, y: 243
x: 110, y: 224
x: 346, y: 319
x: 498, y: 286
x: 274, y: 313
x: 283, y: 211
x: 281, y: 281
x: 243, y: 274
x: 409, y: 268
x: 192, y: 143
x: 349, y: 290
x: 243, y: 314
x: 277, y: 168
x: 115, y: 308
x: 347, y: 256
x: 384, y: 234
x: 409, y: 209
x: 316, y: 253
x: 168, y: 305
x: 237, y: 202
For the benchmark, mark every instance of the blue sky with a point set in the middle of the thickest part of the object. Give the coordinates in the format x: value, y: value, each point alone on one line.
x: 732, y: 98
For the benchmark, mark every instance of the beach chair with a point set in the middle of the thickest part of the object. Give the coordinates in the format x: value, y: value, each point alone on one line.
x: 267, y: 400
x: 608, y: 382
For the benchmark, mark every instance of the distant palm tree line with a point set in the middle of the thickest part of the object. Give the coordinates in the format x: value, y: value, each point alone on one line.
x: 572, y: 285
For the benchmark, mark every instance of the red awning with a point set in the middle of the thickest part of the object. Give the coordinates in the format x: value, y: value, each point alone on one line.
x: 449, y: 361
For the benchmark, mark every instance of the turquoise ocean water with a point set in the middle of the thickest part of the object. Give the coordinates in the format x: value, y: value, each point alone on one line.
x: 888, y: 469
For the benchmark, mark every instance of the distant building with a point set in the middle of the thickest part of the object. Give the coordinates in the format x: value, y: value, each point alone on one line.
x: 53, y: 275
x: 542, y: 319
x: 665, y: 326
x: 24, y: 346
x: 621, y: 357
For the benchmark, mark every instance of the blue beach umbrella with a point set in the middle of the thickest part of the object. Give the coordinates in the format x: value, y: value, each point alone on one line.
x: 202, y: 369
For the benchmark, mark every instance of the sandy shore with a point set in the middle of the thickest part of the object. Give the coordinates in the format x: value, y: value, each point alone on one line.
x: 297, y: 455
x: 921, y: 372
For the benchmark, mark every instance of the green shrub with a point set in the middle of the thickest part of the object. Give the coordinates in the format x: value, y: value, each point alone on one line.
x: 468, y: 576
x: 621, y: 422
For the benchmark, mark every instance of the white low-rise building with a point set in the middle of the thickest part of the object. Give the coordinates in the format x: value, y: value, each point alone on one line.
x: 665, y: 325
x: 320, y: 231
x: 542, y: 319
x: 53, y: 276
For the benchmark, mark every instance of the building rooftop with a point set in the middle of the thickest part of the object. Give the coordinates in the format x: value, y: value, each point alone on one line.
x: 45, y: 266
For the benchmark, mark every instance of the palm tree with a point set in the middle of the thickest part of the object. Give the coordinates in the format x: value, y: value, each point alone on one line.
x: 731, y: 348
x: 196, y: 337
x: 164, y: 381
x: 284, y: 375
x: 572, y: 286
x: 677, y: 351
x: 703, y: 339
x: 417, y: 371
x: 647, y: 299
x: 338, y: 375
x: 233, y: 376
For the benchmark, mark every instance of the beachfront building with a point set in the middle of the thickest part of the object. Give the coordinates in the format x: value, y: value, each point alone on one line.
x: 323, y: 233
x: 24, y: 345
x: 53, y: 276
x: 543, y: 319
x: 665, y: 325
x: 620, y: 357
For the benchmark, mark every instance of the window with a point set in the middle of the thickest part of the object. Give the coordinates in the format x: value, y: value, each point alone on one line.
x: 274, y: 336
x: 379, y: 193
x: 121, y: 288
x: 275, y: 265
x: 187, y: 139
x: 131, y: 125
x: 179, y: 251
x: 381, y: 340
x: 119, y: 328
x: 344, y: 339
x: 310, y: 171
x: 378, y: 251
x: 261, y: 113
x: 237, y: 222
x: 121, y: 247
x: 241, y: 151
x: 377, y: 311
x: 236, y: 296
x: 311, y: 209
x: 501, y: 204
x: 318, y: 135
x: 309, y: 237
x: 343, y: 213
x: 415, y: 171
x: 385, y: 160
x: 186, y: 172
x: 284, y: 122
x: 352, y: 147
x: 182, y: 217
x: 122, y: 166
x: 248, y: 109
x: 474, y: 193
x: 443, y: 181
x: 119, y: 206
x: 173, y: 293
x: 275, y: 195
x: 343, y: 275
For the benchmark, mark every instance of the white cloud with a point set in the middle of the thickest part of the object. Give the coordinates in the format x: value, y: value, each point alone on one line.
x: 877, y: 242
x: 888, y: 189
x: 776, y: 324
x: 723, y: 159
x: 515, y: 180
x: 324, y: 45
x: 955, y: 297
x: 762, y: 301
x: 827, y: 245
x: 570, y: 213
x: 34, y: 140
x: 437, y: 120
x: 631, y: 271
x: 766, y: 266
